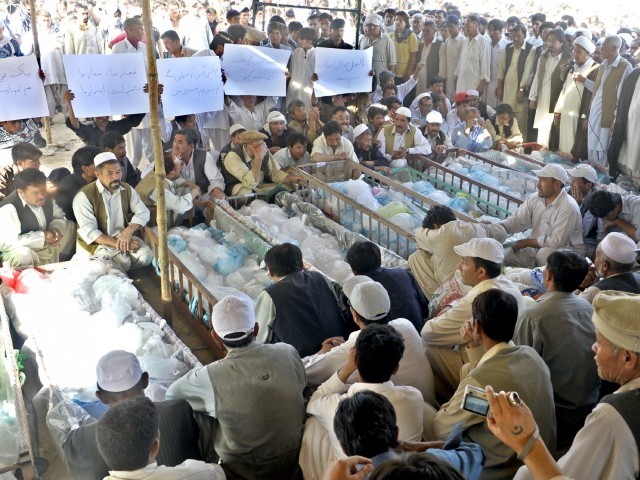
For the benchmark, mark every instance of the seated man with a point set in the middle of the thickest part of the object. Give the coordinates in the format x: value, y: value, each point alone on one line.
x: 84, y: 172
x: 559, y: 328
x: 129, y: 439
x: 495, y: 360
x: 250, y: 114
x: 34, y: 231
x: 369, y: 304
x: 298, y: 121
x: 24, y: 155
x: 504, y: 128
x: 616, y: 213
x: 552, y: 215
x: 199, y: 167
x: 376, y: 356
x: 435, y: 260
x: 368, y: 154
x: 341, y: 115
x: 486, y: 111
x: 421, y: 106
x: 480, y: 269
x: 275, y: 129
x: 365, y: 424
x: 179, y: 194
x: 401, y: 139
x: 613, y: 269
x: 376, y: 117
x: 20, y: 131
x: 234, y: 131
x: 439, y: 140
x: 257, y: 419
x: 606, y: 447
x: 91, y: 133
x: 295, y: 153
x: 407, y: 299
x: 458, y: 114
x: 114, y: 142
x: 472, y: 135
x: 251, y: 167
x: 301, y: 307
x: 119, y: 379
x: 582, y: 188
x: 184, y: 121
x: 108, y: 213
x: 332, y: 146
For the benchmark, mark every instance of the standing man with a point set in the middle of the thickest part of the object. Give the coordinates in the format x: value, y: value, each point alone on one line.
x: 474, y: 68
x: 453, y: 46
x: 82, y: 36
x: 335, y: 36
x: 431, y: 52
x: 34, y: 231
x: 173, y: 46
x: 384, y: 51
x: 606, y: 91
x: 498, y: 44
x: 109, y: 212
x: 257, y: 419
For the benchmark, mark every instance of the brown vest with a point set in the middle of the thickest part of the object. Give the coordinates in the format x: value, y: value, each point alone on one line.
x: 28, y: 219
x: 390, y: 133
x: 146, y: 187
x: 100, y: 211
x: 610, y: 92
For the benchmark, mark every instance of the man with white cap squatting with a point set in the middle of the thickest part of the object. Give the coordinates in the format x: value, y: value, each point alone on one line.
x: 438, y: 139
x: 583, y: 185
x: 108, y: 213
x: 552, y: 215
x: 384, y: 52
x: 119, y: 378
x: 401, y: 138
x: 275, y: 128
x: 607, y: 445
x: 254, y: 394
x: 614, y: 262
x: 370, y: 304
x: 368, y: 154
x: 480, y: 269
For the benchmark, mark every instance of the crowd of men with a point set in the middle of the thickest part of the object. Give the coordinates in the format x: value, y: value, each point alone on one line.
x: 368, y: 377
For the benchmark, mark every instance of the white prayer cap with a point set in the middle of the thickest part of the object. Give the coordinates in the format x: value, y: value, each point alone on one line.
x: 235, y: 127
x: 370, y: 299
x: 234, y: 314
x: 360, y: 129
x: 626, y: 38
x: 104, y: 157
x: 600, y: 41
x: 421, y: 96
x: 276, y: 117
x: 616, y: 318
x: 585, y: 43
x: 373, y: 19
x: 434, y: 117
x: 486, y: 248
x: 570, y: 31
x: 118, y: 371
x: 404, y: 111
x: 553, y: 170
x: 584, y: 171
x: 584, y: 31
x: 473, y: 93
x: 619, y: 247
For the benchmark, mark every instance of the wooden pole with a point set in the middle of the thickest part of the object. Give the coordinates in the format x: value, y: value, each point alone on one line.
x: 36, y: 48
x: 152, y: 74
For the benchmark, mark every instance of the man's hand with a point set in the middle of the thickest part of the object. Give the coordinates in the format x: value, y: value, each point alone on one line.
x: 69, y: 96
x: 499, y: 92
x: 52, y: 237
x: 347, y: 469
x: 400, y: 153
x: 274, y: 149
x: 519, y: 245
x: 342, y: 156
x: 418, y: 446
x: 520, y: 98
x: 590, y: 278
x: 218, y: 193
x: 41, y: 75
x: 512, y: 424
x: 578, y: 77
x: 134, y: 245
x: 349, y: 366
x: 296, y: 179
x: 123, y: 240
x: 576, y: 193
x: 466, y: 331
x: 314, y: 114
x: 331, y: 343
x: 287, y: 75
x: 533, y: 104
x: 556, y: 119
x: 314, y: 77
x: 439, y: 149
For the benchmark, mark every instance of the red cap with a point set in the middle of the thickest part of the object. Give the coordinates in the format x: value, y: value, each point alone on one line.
x: 461, y: 97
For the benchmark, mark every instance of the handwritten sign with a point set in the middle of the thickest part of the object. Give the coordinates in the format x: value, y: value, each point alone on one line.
x: 342, y: 71
x: 21, y: 90
x: 191, y: 85
x: 255, y: 70
x: 106, y: 85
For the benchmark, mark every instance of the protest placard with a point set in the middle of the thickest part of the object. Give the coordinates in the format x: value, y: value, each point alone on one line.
x: 191, y: 85
x: 21, y: 89
x: 342, y: 71
x: 106, y: 85
x: 255, y: 70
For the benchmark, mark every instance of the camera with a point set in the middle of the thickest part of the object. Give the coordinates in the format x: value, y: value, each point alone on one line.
x: 475, y: 401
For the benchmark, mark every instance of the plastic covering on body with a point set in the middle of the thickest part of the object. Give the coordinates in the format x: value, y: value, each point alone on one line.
x: 345, y: 238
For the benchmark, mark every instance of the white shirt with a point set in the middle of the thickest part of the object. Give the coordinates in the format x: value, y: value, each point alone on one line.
x: 474, y: 64
x: 320, y: 146
x: 252, y: 120
x: 88, y: 223
x: 173, y: 201
x: 211, y: 170
x: 187, y: 470
x: 414, y: 367
x: 603, y: 448
x: 196, y: 388
x: 421, y: 146
x: 556, y: 225
x: 10, y: 236
x: 285, y: 160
